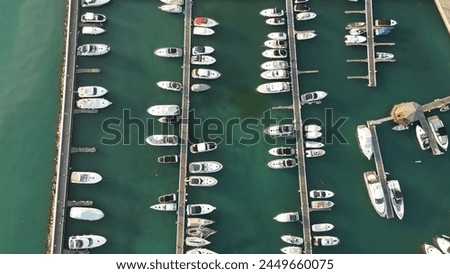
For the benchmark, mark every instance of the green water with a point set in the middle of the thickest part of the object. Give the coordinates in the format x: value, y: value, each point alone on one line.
x: 248, y: 194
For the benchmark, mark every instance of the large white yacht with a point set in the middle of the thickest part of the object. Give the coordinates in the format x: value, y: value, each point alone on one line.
x: 196, y: 241
x: 275, y: 64
x: 92, y: 49
x: 272, y: 12
x: 93, y: 103
x: 165, y: 207
x: 164, y: 110
x: 396, y: 198
x: 314, y: 96
x: 198, y: 222
x: 200, y: 50
x: 303, y: 16
x: 277, y: 35
x: 90, y: 17
x: 439, y: 131
x: 365, y: 140
x: 200, y: 251
x: 162, y: 140
x: 422, y: 138
x: 322, y: 227
x: 312, y: 153
x: 202, y: 60
x: 275, y: 53
x: 86, y: 241
x: 91, y: 91
x: 205, y: 167
x: 170, y: 85
x: 354, y: 39
x: 202, y: 73
x: 284, y: 130
x: 203, y: 147
x: 275, y: 87
x: 83, y: 177
x: 207, y: 22
x: 282, y: 163
x: 305, y: 35
x: 275, y: 74
x: 199, y: 209
x: 89, y: 30
x: 169, y: 52
x: 287, y: 217
x: 202, y: 232
x: 322, y: 205
x: 86, y: 213
x: 291, y: 250
x: 203, y: 31
x: 200, y: 87
x: 295, y: 240
x: 93, y: 3
x: 321, y: 194
x: 375, y: 191
x: 325, y: 240
x: 276, y: 44
x: 202, y: 181
x: 282, y: 151
x: 171, y: 8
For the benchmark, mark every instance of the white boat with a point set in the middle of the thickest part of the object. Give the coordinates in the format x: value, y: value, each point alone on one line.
x: 325, y: 240
x: 287, y: 217
x: 277, y: 36
x: 354, y: 39
x: 202, y: 181
x: 291, y: 250
x: 168, y: 159
x: 300, y: 1
x: 376, y: 193
x: 301, y: 8
x: 313, y: 135
x: 82, y: 177
x: 93, y: 103
x: 93, y: 3
x: 313, y: 144
x: 162, y: 140
x: 384, y: 56
x: 395, y: 193
x: 385, y: 23
x: 202, y: 60
x: 278, y: 74
x: 355, y: 25
x: 439, y: 131
x: 91, y: 91
x: 274, y: 53
x: 283, y: 130
x: 167, y: 198
x: 164, y: 110
x: 312, y: 127
x: 275, y: 87
x: 200, y: 87
x: 200, y: 251
x: 197, y: 222
x: 170, y: 85
x: 92, y: 49
x: 173, y: 2
x: 357, y: 31
x: 443, y: 244
x: 365, y: 140
x: 282, y: 163
x: 422, y: 138
x: 90, y: 17
x: 312, y: 153
x: 85, y: 241
x: 169, y: 52
x: 272, y: 12
x: 199, y: 50
x: 205, y: 167
x: 92, y: 30
x: 303, y: 16
x: 276, y: 44
x: 400, y: 127
x: 295, y: 240
x: 202, y: 21
x: 276, y: 21
x: 86, y: 213
x: 322, y: 227
x: 169, y: 119
x: 202, y: 73
x: 171, y: 8
x: 165, y: 207
x: 321, y: 205
x: 313, y: 96
x: 203, y: 147
x: 196, y: 241
x: 201, y: 232
x: 430, y: 249
x: 444, y: 108
x: 305, y: 35
x: 321, y: 194
x: 199, y: 209
x: 275, y: 64
x: 203, y: 31
x: 282, y: 151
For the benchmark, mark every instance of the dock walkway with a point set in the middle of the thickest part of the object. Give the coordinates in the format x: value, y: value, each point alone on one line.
x: 443, y: 7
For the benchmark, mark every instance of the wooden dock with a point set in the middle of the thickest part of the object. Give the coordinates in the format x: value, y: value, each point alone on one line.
x: 303, y: 187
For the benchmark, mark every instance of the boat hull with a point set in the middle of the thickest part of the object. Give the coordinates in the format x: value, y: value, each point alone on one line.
x: 86, y: 213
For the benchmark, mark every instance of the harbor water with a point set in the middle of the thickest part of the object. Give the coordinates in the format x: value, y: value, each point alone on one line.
x: 248, y: 194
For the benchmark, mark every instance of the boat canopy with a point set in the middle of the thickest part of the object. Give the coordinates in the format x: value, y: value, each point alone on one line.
x: 201, y: 20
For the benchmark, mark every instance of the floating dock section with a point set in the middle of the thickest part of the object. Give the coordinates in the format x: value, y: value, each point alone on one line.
x: 443, y: 7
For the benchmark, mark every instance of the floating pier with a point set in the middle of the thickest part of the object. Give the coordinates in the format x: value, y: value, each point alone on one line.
x: 88, y: 70
x: 85, y: 111
x: 82, y: 149
x: 443, y: 7
x: 79, y: 203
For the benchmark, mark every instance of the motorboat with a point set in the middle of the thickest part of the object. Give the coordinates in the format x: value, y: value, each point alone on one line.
x: 295, y: 240
x: 167, y: 198
x: 313, y: 144
x: 291, y: 250
x: 430, y: 249
x: 171, y: 8
x: 375, y: 191
x: 203, y: 31
x: 283, y: 130
x: 282, y: 163
x: 202, y: 60
x: 200, y: 87
x: 300, y: 1
x: 168, y: 159
x: 382, y: 31
x: 86, y: 213
x: 170, y: 85
x: 88, y: 30
x: 385, y: 23
x: 422, y: 138
x: 86, y: 241
x: 202, y: 73
x: 276, y: 44
x: 199, y: 209
x: 277, y: 35
x: 312, y: 153
x: 274, y: 53
x: 325, y: 240
x: 162, y: 140
x: 276, y: 21
x: 303, y: 16
x: 384, y: 56
x: 275, y: 64
x: 199, y: 50
x: 91, y: 91
x: 93, y: 103
x: 272, y: 12
x: 313, y: 96
x: 305, y: 35
x: 312, y: 127
x: 275, y: 87
x: 311, y: 135
x: 400, y: 127
x: 196, y: 241
x: 200, y: 251
x: 202, y: 21
x: 443, y: 243
x: 164, y: 110
x: 205, y: 167
x: 90, y: 17
x: 287, y: 217
x: 201, y: 232
x: 93, y: 3
x: 169, y: 52
x: 320, y: 194
x: 83, y: 177
x: 164, y: 207
x: 395, y: 193
x: 173, y: 2
x: 301, y: 8
x: 198, y: 222
x: 439, y: 131
x: 365, y: 142
x: 282, y: 151
x: 202, y: 181
x: 169, y: 119
x: 355, y: 25
x: 444, y: 108
x: 203, y: 147
x: 357, y: 31
x: 354, y: 39
x: 92, y: 49
x: 275, y: 74
x: 322, y: 205
x: 322, y: 227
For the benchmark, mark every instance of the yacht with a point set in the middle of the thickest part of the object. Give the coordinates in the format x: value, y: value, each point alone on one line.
x: 291, y: 250
x: 376, y: 193
x: 171, y: 8
x: 396, y: 198
x: 444, y: 108
x: 82, y: 177
x: 274, y: 53
x: 93, y: 103
x: 322, y: 205
x: 325, y: 240
x: 198, y: 222
x: 287, y: 217
x: 85, y: 241
x: 313, y: 135
x: 443, y: 243
x: 196, y: 241
x: 200, y: 87
x: 202, y: 181
x: 92, y: 30
x: 312, y: 153
x: 283, y: 130
x: 200, y: 251
x: 357, y: 31
x: 313, y: 96
x: 430, y: 249
x: 356, y: 25
x: 272, y: 12
x: 313, y: 144
x: 164, y: 110
x: 354, y: 39
x: 169, y: 119
x: 301, y: 8
x: 199, y: 50
x: 170, y: 85
x: 278, y: 74
x: 384, y: 56
x: 439, y: 131
x: 205, y: 22
x: 203, y: 147
x: 276, y: 21
x: 282, y: 151
x: 400, y: 127
x: 365, y: 140
x: 422, y: 138
x: 93, y: 3
x: 303, y: 16
x: 385, y: 23
x: 202, y: 60
x: 199, y: 209
x: 90, y: 17
x: 321, y: 194
x: 168, y: 159
x: 169, y: 52
x: 276, y: 44
x: 165, y: 207
x: 167, y: 198
x: 203, y: 31
x: 282, y: 163
x: 91, y: 91
x: 86, y: 213
x: 322, y: 227
x: 205, y: 73
x: 92, y: 49
x: 201, y: 232
x: 312, y: 127
x: 274, y: 87
x: 295, y: 240
x: 277, y: 36
x: 173, y: 2
x: 275, y: 64
x: 205, y: 167
x: 305, y: 35
x: 162, y: 140
x: 382, y: 31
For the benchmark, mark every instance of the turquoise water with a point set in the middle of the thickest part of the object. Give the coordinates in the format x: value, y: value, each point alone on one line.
x: 248, y: 194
